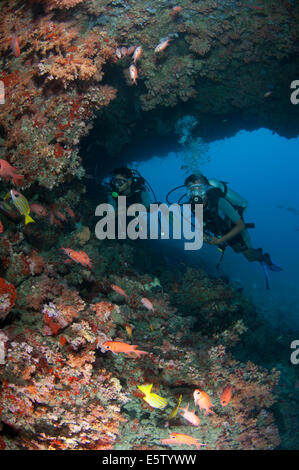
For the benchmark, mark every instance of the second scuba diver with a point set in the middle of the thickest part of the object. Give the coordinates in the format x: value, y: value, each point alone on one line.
x: 223, y: 223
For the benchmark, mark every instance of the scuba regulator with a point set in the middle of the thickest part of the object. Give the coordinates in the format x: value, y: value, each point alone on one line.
x: 197, y: 192
x: 138, y: 184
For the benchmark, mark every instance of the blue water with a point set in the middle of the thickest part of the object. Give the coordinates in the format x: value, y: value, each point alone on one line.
x: 264, y: 168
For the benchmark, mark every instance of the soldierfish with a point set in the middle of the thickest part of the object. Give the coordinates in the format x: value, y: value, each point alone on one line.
x: 119, y: 290
x: 78, y: 256
x: 226, y: 396
x: 38, y: 209
x: 1, y: 227
x: 70, y: 212
x: 190, y: 416
x: 160, y: 47
x: 7, y: 170
x: 15, y: 46
x: 119, y: 346
x: 147, y: 304
x: 202, y: 399
x: 133, y: 73
x: 176, y: 438
x: 137, y: 53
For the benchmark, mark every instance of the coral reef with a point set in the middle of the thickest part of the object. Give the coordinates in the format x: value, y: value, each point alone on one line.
x: 65, y: 63
x: 60, y: 69
x: 61, y: 390
x: 7, y: 298
x: 52, y: 91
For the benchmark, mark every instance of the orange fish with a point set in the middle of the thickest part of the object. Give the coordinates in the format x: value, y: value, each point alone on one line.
x: 38, y: 209
x: 118, y: 346
x: 1, y: 227
x: 176, y: 438
x: 175, y: 10
x: 119, y: 290
x: 78, y: 256
x: 131, y: 49
x: 226, y: 396
x: 70, y: 212
x: 118, y: 52
x: 202, y: 399
x: 133, y: 73
x: 160, y: 47
x: 15, y: 46
x: 7, y: 170
x: 137, y: 53
x: 61, y: 216
x: 190, y: 416
x: 147, y: 304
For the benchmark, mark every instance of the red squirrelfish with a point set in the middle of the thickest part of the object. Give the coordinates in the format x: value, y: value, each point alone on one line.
x: 119, y: 290
x: 133, y: 73
x: 137, y: 53
x: 15, y: 46
x: 1, y: 227
x: 131, y: 49
x: 202, y: 399
x: 160, y: 47
x: 118, y: 52
x: 147, y: 303
x: 176, y: 438
x: 190, y: 416
x: 61, y: 216
x: 7, y: 170
x: 78, y: 256
x: 119, y: 346
x: 226, y: 396
x: 38, y: 209
x: 70, y: 212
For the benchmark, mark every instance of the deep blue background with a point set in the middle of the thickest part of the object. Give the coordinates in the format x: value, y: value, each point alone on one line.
x: 264, y: 168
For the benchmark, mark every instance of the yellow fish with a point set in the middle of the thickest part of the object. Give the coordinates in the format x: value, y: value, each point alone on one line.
x: 152, y: 399
x: 128, y: 330
x: 175, y: 410
x: 21, y: 204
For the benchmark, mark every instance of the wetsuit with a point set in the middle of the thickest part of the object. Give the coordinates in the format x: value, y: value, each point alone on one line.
x: 220, y: 217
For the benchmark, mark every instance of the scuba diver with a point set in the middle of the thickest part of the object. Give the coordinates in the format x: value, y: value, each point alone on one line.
x: 223, y: 223
x: 129, y: 183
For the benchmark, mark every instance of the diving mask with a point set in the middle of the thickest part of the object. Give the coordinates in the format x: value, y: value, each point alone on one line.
x: 197, y: 192
x: 118, y: 182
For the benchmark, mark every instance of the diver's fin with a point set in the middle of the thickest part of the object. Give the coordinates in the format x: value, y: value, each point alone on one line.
x: 266, y: 272
x: 275, y: 267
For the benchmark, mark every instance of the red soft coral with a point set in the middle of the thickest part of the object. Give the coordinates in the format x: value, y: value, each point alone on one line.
x: 7, y: 297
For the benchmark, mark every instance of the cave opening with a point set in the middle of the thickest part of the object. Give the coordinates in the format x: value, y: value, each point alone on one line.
x: 262, y: 167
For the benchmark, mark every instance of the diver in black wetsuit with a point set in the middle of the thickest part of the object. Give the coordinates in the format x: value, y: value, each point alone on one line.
x: 127, y: 183
x: 223, y: 221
